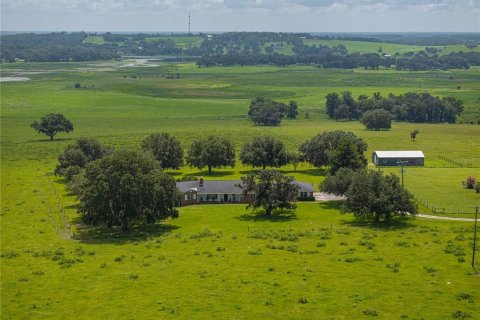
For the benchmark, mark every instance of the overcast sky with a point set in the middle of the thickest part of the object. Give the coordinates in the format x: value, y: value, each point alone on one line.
x: 241, y: 15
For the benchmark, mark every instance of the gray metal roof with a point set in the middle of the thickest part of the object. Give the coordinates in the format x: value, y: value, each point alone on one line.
x: 304, y: 187
x: 399, y: 154
x: 227, y: 186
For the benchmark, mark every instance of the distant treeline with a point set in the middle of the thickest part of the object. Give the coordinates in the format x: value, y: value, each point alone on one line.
x: 331, y: 58
x: 411, y: 106
x: 56, y: 53
x: 239, y: 48
x: 417, y: 39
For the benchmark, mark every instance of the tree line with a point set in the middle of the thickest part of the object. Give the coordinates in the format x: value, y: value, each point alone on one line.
x: 231, y: 48
x: 327, y: 57
x: 334, y: 149
x: 118, y: 188
x: 411, y: 107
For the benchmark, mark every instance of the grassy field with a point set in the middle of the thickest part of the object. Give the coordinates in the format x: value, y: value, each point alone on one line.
x: 94, y: 40
x: 388, y: 48
x: 223, y: 261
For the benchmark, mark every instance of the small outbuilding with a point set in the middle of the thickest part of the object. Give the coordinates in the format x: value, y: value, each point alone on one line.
x: 396, y: 158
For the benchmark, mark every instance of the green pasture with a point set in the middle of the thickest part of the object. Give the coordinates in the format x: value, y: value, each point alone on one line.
x: 180, y: 41
x: 94, y: 40
x: 388, y: 48
x: 223, y: 261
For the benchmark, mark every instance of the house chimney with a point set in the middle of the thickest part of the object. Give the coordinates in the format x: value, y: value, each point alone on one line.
x: 200, y: 182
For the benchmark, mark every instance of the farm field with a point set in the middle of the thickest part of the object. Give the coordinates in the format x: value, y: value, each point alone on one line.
x: 224, y: 261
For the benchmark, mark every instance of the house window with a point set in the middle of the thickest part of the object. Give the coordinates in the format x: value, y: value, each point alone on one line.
x: 303, y: 194
x: 190, y: 196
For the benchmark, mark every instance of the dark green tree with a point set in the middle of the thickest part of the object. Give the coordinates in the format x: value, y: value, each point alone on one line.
x: 342, y: 112
x: 293, y: 158
x: 264, y: 151
x: 317, y: 150
x: 126, y: 187
x: 346, y: 155
x: 372, y: 195
x: 76, y: 156
x: 333, y: 101
x: 271, y: 189
x: 377, y: 119
x: 166, y: 149
x: 266, y: 112
x: 339, y: 182
x: 51, y: 124
x: 292, y: 109
x: 212, y: 152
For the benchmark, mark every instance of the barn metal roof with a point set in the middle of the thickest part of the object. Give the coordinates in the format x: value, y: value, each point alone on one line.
x: 399, y: 154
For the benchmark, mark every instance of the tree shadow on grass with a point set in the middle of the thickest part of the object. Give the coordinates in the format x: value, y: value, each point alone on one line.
x: 310, y: 172
x: 392, y: 224
x: 52, y: 141
x: 136, y: 233
x: 331, y: 205
x: 396, y: 223
x: 213, y: 174
x: 277, y: 216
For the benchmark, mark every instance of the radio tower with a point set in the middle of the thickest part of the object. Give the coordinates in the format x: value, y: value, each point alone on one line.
x: 189, y: 22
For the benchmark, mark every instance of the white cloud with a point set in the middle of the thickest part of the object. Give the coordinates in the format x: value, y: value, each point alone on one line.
x: 293, y: 15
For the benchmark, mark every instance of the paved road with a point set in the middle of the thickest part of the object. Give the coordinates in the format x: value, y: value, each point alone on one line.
x: 444, y: 218
x: 323, y: 196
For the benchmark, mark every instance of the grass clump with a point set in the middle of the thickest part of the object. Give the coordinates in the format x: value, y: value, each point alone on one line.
x: 10, y: 254
x: 370, y: 312
x: 394, y: 267
x: 302, y: 300
x: 461, y: 314
x: 465, y: 296
x: 456, y: 250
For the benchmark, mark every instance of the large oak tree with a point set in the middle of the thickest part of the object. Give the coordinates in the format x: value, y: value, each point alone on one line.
x: 264, y: 151
x: 126, y: 187
x: 166, y: 149
x: 211, y: 152
x: 51, y: 124
x: 271, y: 189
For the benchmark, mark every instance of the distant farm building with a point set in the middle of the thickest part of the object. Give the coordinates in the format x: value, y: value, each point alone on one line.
x: 396, y: 158
x: 226, y: 191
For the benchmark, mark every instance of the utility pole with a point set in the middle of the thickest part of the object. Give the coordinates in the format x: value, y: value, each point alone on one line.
x: 402, y: 163
x: 474, y: 238
x: 189, y: 22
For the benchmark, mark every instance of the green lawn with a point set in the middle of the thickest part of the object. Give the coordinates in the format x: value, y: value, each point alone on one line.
x: 177, y: 269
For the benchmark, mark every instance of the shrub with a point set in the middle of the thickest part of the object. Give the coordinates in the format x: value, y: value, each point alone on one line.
x: 461, y: 314
x: 470, y: 182
x: 10, y: 254
x: 465, y: 296
x: 302, y: 300
x: 370, y: 312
